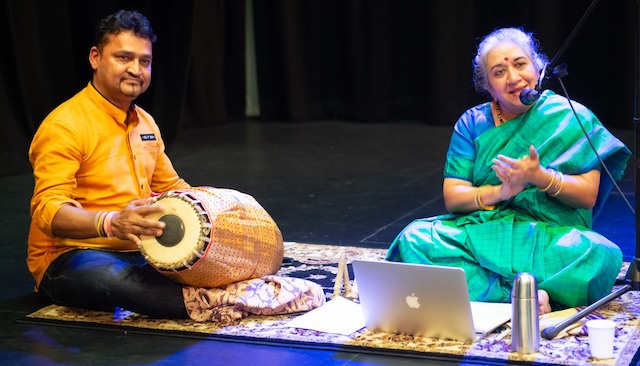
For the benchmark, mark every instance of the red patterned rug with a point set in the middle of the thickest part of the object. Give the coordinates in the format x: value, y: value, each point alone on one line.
x: 318, y: 263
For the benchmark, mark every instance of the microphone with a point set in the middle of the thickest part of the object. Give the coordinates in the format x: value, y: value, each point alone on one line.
x: 530, y: 96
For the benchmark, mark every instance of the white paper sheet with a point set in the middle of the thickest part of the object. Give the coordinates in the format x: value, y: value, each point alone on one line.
x: 339, y: 316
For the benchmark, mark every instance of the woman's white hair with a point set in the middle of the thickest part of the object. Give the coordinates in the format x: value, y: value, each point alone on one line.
x: 526, y: 41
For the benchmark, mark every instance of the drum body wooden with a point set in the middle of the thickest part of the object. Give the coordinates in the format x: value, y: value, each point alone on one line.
x: 213, y: 237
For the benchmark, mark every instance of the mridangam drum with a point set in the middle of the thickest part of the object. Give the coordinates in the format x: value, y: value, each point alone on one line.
x: 213, y: 237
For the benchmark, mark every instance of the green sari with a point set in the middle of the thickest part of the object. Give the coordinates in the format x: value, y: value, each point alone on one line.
x: 531, y: 232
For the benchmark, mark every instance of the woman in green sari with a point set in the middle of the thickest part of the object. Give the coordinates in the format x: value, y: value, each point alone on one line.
x: 522, y: 184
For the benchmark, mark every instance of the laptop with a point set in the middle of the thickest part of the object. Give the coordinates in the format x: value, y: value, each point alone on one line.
x: 424, y: 300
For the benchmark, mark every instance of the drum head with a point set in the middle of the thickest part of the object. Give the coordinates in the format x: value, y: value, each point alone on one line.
x: 182, y: 240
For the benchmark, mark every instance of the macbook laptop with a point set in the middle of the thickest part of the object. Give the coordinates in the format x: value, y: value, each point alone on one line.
x: 424, y: 300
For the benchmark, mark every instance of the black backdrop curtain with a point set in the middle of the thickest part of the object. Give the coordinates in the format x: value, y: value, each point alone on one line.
x: 388, y: 60
x: 356, y: 60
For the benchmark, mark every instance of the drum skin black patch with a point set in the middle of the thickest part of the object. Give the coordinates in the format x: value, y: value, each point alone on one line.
x: 148, y: 137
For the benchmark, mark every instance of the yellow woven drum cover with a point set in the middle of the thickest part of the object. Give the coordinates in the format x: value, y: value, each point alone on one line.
x: 240, y: 241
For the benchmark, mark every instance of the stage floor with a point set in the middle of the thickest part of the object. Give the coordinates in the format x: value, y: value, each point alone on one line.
x: 327, y: 182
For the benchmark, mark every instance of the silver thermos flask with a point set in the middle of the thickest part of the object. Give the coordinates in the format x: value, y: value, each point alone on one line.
x: 525, y: 323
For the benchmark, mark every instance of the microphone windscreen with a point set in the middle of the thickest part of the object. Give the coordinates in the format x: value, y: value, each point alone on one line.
x: 529, y: 96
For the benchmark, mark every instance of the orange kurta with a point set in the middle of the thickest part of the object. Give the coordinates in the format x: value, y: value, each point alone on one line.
x: 90, y: 154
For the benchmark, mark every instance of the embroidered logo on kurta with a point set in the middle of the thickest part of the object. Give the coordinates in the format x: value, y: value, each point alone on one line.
x: 148, y: 137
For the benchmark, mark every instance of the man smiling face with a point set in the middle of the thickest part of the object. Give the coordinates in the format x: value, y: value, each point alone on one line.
x: 122, y: 68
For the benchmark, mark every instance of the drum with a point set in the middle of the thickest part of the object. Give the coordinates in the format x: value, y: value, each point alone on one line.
x: 213, y: 237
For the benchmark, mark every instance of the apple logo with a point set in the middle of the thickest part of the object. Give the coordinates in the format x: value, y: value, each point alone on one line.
x: 412, y: 301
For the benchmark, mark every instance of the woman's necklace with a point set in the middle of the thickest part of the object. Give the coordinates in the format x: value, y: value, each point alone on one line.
x: 499, y: 113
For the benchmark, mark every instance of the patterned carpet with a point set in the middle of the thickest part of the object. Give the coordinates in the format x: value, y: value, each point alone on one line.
x: 318, y: 263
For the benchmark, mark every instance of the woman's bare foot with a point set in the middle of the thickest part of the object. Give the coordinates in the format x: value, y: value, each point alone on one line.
x: 544, y: 305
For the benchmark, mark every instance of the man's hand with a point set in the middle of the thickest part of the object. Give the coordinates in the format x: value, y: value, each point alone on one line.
x: 130, y: 223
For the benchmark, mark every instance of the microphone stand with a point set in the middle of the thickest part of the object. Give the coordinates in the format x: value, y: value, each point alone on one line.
x: 632, y: 278
x: 572, y: 35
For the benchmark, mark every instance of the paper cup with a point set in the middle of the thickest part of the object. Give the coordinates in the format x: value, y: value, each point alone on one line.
x: 601, y: 333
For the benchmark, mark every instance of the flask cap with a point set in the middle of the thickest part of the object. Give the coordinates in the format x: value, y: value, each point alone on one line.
x: 525, y: 287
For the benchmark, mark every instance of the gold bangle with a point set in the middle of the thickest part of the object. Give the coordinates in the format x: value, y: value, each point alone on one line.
x: 98, y: 221
x: 560, y: 187
x: 479, y: 203
x: 553, y: 180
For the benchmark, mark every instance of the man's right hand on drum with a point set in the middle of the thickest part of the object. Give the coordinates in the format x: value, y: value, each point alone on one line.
x: 77, y: 223
x: 130, y: 223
